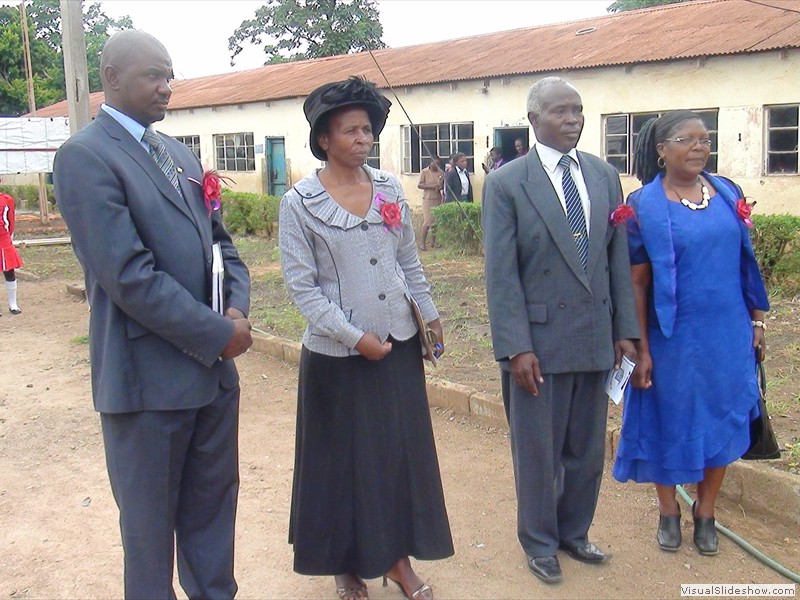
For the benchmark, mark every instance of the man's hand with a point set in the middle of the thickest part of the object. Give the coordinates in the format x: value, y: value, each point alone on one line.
x: 241, y: 339
x: 525, y: 369
x: 371, y: 348
x: 625, y: 347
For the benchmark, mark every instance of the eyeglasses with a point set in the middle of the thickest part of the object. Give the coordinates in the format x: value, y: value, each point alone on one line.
x: 690, y: 141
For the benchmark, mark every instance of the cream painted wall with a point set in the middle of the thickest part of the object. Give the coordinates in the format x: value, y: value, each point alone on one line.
x: 739, y: 86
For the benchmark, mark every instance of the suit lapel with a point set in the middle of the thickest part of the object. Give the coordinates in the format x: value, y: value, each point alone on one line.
x: 135, y: 150
x: 193, y: 193
x: 543, y: 196
x: 599, y: 201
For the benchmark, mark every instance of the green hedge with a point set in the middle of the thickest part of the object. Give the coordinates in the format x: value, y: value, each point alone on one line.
x: 458, y: 226
x: 776, y: 241
x: 27, y: 196
x: 243, y: 212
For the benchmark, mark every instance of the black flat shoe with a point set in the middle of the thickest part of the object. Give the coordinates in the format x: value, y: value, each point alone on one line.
x: 669, y: 532
x: 545, y: 568
x: 705, y: 534
x: 587, y: 553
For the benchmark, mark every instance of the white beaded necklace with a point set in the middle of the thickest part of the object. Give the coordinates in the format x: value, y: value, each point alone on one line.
x: 702, y: 205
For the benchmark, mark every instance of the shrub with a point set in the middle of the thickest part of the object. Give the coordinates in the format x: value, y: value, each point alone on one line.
x: 243, y: 212
x: 27, y: 196
x: 458, y: 226
x: 776, y: 241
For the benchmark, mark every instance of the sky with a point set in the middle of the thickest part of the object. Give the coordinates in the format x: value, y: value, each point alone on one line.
x: 196, y: 32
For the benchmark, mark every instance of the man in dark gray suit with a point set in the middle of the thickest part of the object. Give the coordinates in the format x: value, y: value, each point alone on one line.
x: 162, y: 375
x: 562, y: 314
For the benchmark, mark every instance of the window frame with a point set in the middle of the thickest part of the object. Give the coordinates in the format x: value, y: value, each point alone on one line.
x: 769, y: 129
x: 417, y: 144
x: 241, y: 147
x: 374, y: 157
x: 630, y: 136
x: 192, y: 142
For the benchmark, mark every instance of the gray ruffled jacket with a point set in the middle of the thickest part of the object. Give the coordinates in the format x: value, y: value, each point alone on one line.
x: 349, y: 275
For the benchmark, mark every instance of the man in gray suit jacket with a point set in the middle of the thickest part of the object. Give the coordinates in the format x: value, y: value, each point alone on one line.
x: 162, y: 375
x: 562, y: 314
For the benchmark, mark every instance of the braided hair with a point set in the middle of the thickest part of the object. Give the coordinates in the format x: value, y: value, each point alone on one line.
x: 645, y: 156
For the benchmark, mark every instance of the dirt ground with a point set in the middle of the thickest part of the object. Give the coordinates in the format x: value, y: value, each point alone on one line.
x: 60, y: 537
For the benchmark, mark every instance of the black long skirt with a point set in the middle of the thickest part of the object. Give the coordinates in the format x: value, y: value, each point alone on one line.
x: 367, y: 490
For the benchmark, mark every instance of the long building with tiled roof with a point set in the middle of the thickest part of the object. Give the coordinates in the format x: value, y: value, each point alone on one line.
x: 738, y: 61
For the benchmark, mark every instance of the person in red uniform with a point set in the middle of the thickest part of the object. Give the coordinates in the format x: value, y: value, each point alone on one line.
x: 9, y: 257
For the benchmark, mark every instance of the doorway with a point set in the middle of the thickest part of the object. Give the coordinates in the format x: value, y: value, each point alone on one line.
x: 276, y: 166
x: 504, y: 138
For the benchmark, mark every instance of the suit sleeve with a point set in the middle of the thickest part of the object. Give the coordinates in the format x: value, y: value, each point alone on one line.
x: 94, y: 206
x: 625, y: 324
x: 508, y: 316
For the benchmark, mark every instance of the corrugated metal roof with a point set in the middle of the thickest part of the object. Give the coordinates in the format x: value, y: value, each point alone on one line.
x: 678, y: 31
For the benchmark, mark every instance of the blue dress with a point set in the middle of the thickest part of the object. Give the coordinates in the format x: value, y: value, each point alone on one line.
x: 696, y: 414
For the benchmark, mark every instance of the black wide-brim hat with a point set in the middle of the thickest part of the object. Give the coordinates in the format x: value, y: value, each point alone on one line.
x: 332, y: 96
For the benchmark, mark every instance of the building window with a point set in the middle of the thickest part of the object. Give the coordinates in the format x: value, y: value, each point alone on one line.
x: 374, y: 158
x: 621, y: 131
x: 443, y: 139
x: 782, y: 137
x: 235, y: 152
x: 192, y: 142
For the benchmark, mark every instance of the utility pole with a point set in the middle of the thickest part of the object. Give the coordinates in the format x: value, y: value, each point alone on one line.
x: 75, y: 70
x: 44, y: 212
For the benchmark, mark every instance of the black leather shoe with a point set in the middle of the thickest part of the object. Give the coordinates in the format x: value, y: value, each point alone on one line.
x: 545, y: 568
x: 587, y: 553
x: 705, y: 534
x: 669, y: 532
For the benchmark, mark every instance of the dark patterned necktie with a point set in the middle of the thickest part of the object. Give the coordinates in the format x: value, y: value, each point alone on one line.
x: 159, y: 153
x: 575, y: 214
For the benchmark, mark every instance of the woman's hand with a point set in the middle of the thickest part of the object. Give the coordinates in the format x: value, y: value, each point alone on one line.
x: 436, y: 326
x: 759, y: 343
x: 371, y: 348
x: 642, y: 374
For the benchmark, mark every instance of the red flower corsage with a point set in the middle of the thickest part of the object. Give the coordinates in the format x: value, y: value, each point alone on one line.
x: 621, y: 214
x: 744, y: 210
x: 212, y: 189
x: 391, y: 213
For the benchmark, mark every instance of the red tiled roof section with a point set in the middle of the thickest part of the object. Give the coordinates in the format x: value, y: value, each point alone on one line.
x: 691, y: 29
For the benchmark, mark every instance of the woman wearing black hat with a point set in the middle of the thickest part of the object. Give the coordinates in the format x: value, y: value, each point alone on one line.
x: 367, y: 492
x: 701, y: 301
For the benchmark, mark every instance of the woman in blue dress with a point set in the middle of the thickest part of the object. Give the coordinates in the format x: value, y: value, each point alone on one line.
x: 700, y: 300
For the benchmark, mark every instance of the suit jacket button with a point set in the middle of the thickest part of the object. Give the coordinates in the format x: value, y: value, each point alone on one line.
x: 562, y: 305
x: 373, y: 261
x: 547, y: 271
x: 364, y: 226
x: 381, y: 296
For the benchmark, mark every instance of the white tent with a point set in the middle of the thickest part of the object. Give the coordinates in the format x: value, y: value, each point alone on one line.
x: 29, y: 144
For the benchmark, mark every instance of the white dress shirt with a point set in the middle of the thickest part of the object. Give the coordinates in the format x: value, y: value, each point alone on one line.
x: 462, y: 175
x: 550, y: 157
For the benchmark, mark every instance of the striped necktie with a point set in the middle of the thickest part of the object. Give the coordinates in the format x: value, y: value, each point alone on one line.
x: 575, y: 214
x: 164, y: 161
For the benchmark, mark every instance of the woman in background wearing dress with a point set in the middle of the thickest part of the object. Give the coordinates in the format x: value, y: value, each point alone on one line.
x: 367, y: 493
x: 700, y: 300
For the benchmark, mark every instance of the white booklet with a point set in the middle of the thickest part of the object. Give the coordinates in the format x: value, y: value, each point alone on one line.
x: 217, y: 279
x: 618, y: 379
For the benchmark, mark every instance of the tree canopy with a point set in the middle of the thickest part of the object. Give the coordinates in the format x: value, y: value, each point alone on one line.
x: 44, y: 33
x: 300, y: 29
x: 624, y: 5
